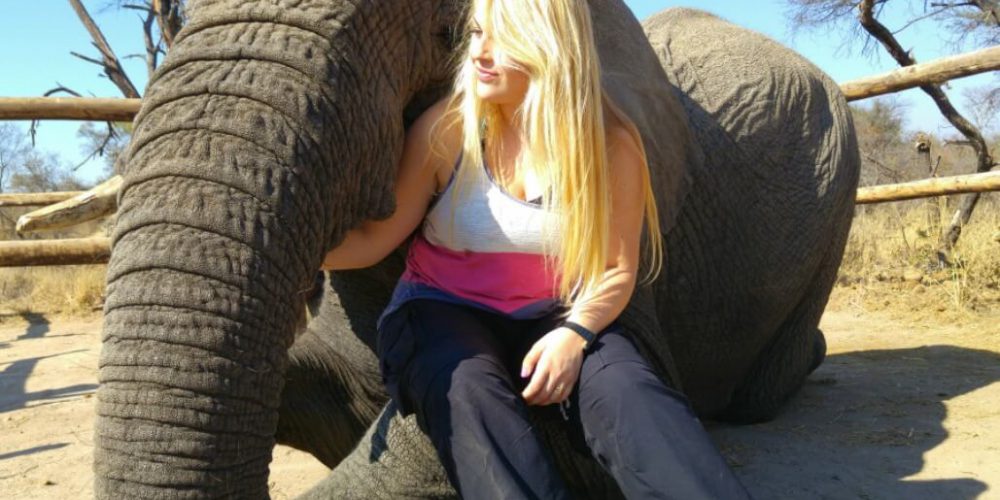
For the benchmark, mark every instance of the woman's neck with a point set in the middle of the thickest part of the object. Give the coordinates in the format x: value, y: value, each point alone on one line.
x: 507, y: 112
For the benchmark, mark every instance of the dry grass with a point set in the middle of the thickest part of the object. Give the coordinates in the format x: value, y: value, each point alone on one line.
x: 70, y: 290
x: 890, y: 263
x: 50, y: 290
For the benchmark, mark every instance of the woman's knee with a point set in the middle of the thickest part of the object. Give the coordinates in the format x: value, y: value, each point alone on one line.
x: 616, y: 378
x: 475, y: 380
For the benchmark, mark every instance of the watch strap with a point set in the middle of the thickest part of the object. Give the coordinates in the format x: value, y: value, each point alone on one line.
x: 587, y: 335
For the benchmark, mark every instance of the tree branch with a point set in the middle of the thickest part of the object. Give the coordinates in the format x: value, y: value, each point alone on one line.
x: 33, y: 128
x: 112, y: 68
x: 169, y: 19
x: 984, y: 161
x: 884, y: 36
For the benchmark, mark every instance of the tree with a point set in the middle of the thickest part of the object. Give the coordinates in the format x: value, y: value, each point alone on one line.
x: 975, y: 22
x: 161, y: 21
x: 42, y: 172
x: 880, y: 141
x: 12, y: 152
x: 109, y: 145
x: 26, y: 170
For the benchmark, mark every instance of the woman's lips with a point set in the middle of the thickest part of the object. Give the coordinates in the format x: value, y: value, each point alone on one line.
x: 486, y: 76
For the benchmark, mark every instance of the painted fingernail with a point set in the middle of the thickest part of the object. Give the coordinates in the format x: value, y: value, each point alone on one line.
x: 524, y: 371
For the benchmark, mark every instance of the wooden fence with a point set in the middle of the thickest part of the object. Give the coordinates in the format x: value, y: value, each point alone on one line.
x: 69, y: 208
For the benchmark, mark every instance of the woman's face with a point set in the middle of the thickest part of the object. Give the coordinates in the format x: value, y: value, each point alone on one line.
x: 496, y: 83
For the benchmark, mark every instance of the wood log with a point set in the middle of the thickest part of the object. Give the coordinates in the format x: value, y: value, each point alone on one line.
x: 971, y: 183
x: 55, y: 252
x: 935, y: 71
x: 35, y: 199
x: 68, y: 108
x: 97, y: 202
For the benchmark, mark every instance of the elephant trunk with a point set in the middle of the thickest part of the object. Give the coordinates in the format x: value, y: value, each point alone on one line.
x: 233, y: 189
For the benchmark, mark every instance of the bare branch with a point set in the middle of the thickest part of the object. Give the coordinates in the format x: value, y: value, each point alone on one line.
x: 984, y: 161
x: 169, y: 18
x: 884, y: 36
x: 112, y: 68
x: 101, y: 149
x: 33, y: 128
x: 147, y: 36
x: 88, y: 59
x: 917, y: 19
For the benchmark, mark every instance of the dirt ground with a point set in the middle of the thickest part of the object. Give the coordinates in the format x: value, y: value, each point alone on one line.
x: 898, y: 410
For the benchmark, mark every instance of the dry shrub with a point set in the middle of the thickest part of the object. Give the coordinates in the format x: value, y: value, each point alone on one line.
x: 890, y: 262
x: 52, y: 289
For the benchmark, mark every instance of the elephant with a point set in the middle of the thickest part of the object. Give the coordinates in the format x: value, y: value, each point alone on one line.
x: 273, y: 127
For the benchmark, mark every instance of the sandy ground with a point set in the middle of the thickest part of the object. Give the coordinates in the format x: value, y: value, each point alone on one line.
x: 897, y: 411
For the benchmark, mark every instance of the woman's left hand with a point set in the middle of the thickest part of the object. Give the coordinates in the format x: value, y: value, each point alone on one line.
x: 555, y: 361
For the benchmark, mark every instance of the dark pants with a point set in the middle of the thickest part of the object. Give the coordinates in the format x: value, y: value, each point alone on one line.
x: 458, y: 369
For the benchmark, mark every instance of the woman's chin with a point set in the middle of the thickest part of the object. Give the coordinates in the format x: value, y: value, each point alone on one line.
x: 491, y: 94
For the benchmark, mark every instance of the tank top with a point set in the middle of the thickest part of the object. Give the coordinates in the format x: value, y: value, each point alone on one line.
x: 492, y: 260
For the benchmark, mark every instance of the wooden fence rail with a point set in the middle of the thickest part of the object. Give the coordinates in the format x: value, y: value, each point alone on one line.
x: 925, y: 188
x: 112, y: 109
x: 935, y: 71
x: 97, y: 250
x: 54, y: 252
x: 69, y: 108
x: 35, y: 199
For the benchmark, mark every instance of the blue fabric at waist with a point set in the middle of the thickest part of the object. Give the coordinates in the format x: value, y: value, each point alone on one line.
x: 406, y: 291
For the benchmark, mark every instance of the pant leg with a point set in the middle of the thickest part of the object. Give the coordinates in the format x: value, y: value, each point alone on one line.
x: 644, y: 433
x: 463, y: 396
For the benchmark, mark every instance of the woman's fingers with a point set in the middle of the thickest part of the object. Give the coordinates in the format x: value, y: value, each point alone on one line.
x: 551, y: 394
x: 533, y: 393
x: 531, y: 359
x: 552, y: 366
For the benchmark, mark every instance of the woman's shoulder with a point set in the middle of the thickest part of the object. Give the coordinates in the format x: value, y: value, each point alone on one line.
x: 439, y: 124
x: 624, y: 148
x: 438, y: 132
x: 621, y: 137
x: 619, y: 129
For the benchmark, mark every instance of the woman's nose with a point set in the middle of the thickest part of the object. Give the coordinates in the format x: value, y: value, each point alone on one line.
x: 481, y: 51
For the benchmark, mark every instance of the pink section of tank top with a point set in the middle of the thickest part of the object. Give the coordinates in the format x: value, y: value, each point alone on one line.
x: 505, y: 281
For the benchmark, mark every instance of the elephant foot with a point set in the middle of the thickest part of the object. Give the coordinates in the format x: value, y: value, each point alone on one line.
x: 329, y: 399
x: 779, y: 374
x: 819, y: 351
x: 394, y: 459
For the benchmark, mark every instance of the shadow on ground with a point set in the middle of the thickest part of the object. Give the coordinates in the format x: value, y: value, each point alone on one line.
x: 14, y: 376
x: 861, y: 425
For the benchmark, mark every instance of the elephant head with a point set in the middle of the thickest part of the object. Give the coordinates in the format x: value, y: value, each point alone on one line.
x: 272, y: 128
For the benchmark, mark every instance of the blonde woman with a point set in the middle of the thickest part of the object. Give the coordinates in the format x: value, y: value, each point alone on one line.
x: 527, y: 251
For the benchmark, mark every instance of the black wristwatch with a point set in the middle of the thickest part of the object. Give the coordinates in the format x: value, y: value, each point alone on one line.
x: 587, y: 335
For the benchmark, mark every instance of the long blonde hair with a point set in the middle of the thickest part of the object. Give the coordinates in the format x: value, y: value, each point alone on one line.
x: 562, y: 117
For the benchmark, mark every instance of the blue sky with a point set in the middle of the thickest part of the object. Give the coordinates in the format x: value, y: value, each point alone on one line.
x: 37, y: 36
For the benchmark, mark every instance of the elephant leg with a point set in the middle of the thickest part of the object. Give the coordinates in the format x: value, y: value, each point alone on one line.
x: 394, y: 459
x: 797, y: 349
x: 329, y: 399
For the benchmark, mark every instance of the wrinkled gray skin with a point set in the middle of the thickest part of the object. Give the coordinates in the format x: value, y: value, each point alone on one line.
x: 274, y: 127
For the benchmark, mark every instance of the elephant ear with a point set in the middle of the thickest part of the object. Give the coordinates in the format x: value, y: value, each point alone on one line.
x: 634, y: 77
